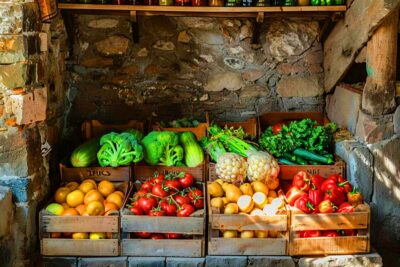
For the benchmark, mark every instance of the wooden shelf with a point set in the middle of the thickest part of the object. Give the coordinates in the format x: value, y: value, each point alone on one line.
x: 314, y: 11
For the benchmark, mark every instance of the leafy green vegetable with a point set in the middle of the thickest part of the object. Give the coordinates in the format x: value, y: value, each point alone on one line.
x: 214, y: 148
x: 180, y: 123
x: 119, y: 149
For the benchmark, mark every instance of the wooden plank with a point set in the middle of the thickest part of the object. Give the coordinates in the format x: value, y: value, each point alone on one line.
x: 98, y: 174
x: 82, y: 247
x: 143, y: 172
x: 355, y: 220
x: 249, y: 126
x: 168, y: 224
x: 247, y: 222
x: 203, y: 9
x: 247, y: 247
x: 51, y: 223
x: 329, y: 245
x: 350, y: 35
x: 164, y: 248
x: 287, y: 172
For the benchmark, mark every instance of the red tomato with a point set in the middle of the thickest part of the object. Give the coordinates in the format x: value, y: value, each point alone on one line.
x: 173, y: 236
x: 277, y: 128
x: 157, y: 236
x: 146, y: 186
x: 196, y: 197
x: 156, y: 212
x: 147, y: 203
x: 160, y: 190
x: 158, y: 178
x: 310, y: 233
x: 336, y: 196
x: 182, y: 199
x: 169, y: 208
x: 186, y: 180
x: 349, y: 232
x: 330, y: 233
x: 136, y: 210
x: 141, y: 193
x: 173, y: 184
x: 185, y: 210
x: 143, y: 234
x: 135, y: 203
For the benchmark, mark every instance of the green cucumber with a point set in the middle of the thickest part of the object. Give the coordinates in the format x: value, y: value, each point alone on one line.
x: 285, y: 161
x: 314, y: 162
x: 289, y: 157
x: 300, y: 161
x: 85, y: 154
x: 305, y: 154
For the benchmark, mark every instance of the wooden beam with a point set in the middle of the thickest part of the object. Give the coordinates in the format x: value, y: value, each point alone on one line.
x: 351, y: 34
x: 380, y: 89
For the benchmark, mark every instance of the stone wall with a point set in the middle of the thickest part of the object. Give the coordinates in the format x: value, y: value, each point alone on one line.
x: 31, y: 110
x: 186, y: 66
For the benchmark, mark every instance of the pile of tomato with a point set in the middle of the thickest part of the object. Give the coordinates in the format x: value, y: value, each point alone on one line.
x: 174, y: 194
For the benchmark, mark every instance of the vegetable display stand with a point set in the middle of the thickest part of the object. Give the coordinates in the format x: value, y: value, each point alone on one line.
x: 51, y: 227
x: 193, y: 226
x: 142, y: 170
x: 250, y: 126
x: 271, y: 118
x: 358, y: 220
x: 200, y: 130
x: 94, y: 128
x: 220, y: 246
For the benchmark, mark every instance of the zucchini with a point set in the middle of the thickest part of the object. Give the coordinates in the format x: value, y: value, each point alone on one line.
x: 314, y: 162
x: 285, y: 161
x: 300, y: 160
x: 85, y: 154
x: 289, y: 156
x: 194, y: 155
x: 307, y: 155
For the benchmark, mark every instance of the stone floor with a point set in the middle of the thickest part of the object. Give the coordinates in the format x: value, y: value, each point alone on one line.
x: 366, y: 260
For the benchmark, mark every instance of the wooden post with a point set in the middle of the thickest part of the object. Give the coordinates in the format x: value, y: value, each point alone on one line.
x: 380, y: 88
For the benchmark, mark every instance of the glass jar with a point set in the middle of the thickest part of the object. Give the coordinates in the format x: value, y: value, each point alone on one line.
x: 230, y: 3
x: 262, y: 3
x: 150, y: 2
x: 182, y: 2
x: 247, y: 3
x: 104, y: 2
x: 290, y: 2
x: 166, y: 2
x: 119, y: 2
x: 304, y: 2
x: 199, y: 2
x: 216, y: 2
x: 276, y: 2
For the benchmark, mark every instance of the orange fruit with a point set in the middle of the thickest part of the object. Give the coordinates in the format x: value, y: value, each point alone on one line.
x: 90, y: 181
x: 92, y: 195
x: 116, y: 199
x: 109, y: 236
x: 120, y: 193
x: 61, y: 194
x: 80, y: 236
x: 81, y: 209
x: 65, y: 206
x: 109, y: 206
x: 95, y: 208
x: 70, y: 212
x: 86, y: 187
x: 72, y: 186
x: 67, y: 235
x: 55, y: 235
x: 106, y: 188
x: 75, y: 198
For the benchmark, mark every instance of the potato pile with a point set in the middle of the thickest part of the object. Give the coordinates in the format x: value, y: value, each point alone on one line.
x: 254, y: 199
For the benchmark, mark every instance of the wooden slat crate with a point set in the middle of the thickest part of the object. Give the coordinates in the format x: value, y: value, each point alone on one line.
x: 193, y: 225
x: 220, y: 246
x: 94, y: 128
x: 49, y: 224
x: 360, y: 220
x: 96, y: 173
x: 250, y: 126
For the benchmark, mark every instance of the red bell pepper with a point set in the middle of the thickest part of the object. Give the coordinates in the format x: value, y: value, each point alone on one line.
x: 304, y: 204
x: 326, y: 206
x: 293, y: 194
x: 330, y: 233
x: 302, y: 180
x: 348, y: 232
x: 345, y: 207
x: 316, y: 196
x: 329, y: 184
x: 316, y: 181
x: 336, y: 196
x: 334, y: 177
x: 310, y: 233
x: 354, y: 197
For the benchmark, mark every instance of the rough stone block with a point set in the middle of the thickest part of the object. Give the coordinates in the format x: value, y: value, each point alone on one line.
x: 59, y: 262
x: 374, y: 129
x: 6, y: 208
x: 146, y: 261
x: 300, y: 87
x: 18, y: 17
x: 226, y: 261
x: 343, y: 108
x: 367, y: 260
x: 185, y: 262
x: 276, y: 261
x: 231, y: 81
x: 103, y: 262
x: 20, y: 186
x: 30, y: 107
x: 360, y: 164
x: 386, y: 197
x: 13, y: 75
x: 13, y: 49
x: 396, y: 120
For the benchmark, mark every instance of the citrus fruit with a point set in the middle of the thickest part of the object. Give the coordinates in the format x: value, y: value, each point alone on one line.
x: 92, y: 195
x: 90, y: 181
x: 81, y: 209
x: 75, y: 198
x: 120, y: 193
x: 55, y: 235
x: 72, y: 186
x: 55, y: 208
x: 109, y: 206
x: 116, y: 199
x: 86, y: 187
x: 65, y: 206
x: 70, y: 212
x: 95, y: 208
x: 79, y: 236
x: 96, y: 236
x: 106, y: 188
x: 61, y: 194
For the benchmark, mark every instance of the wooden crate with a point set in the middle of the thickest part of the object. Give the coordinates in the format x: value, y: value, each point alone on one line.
x: 96, y: 173
x: 246, y: 247
x: 141, y: 170
x: 199, y: 131
x: 49, y: 223
x: 94, y: 128
x: 193, y: 225
x: 360, y: 220
x: 249, y: 126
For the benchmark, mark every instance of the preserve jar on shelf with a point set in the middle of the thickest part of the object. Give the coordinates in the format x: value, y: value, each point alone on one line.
x: 304, y: 2
x: 199, y: 2
x: 276, y: 2
x: 182, y: 2
x: 290, y: 2
x: 150, y: 2
x: 166, y: 2
x: 216, y: 2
